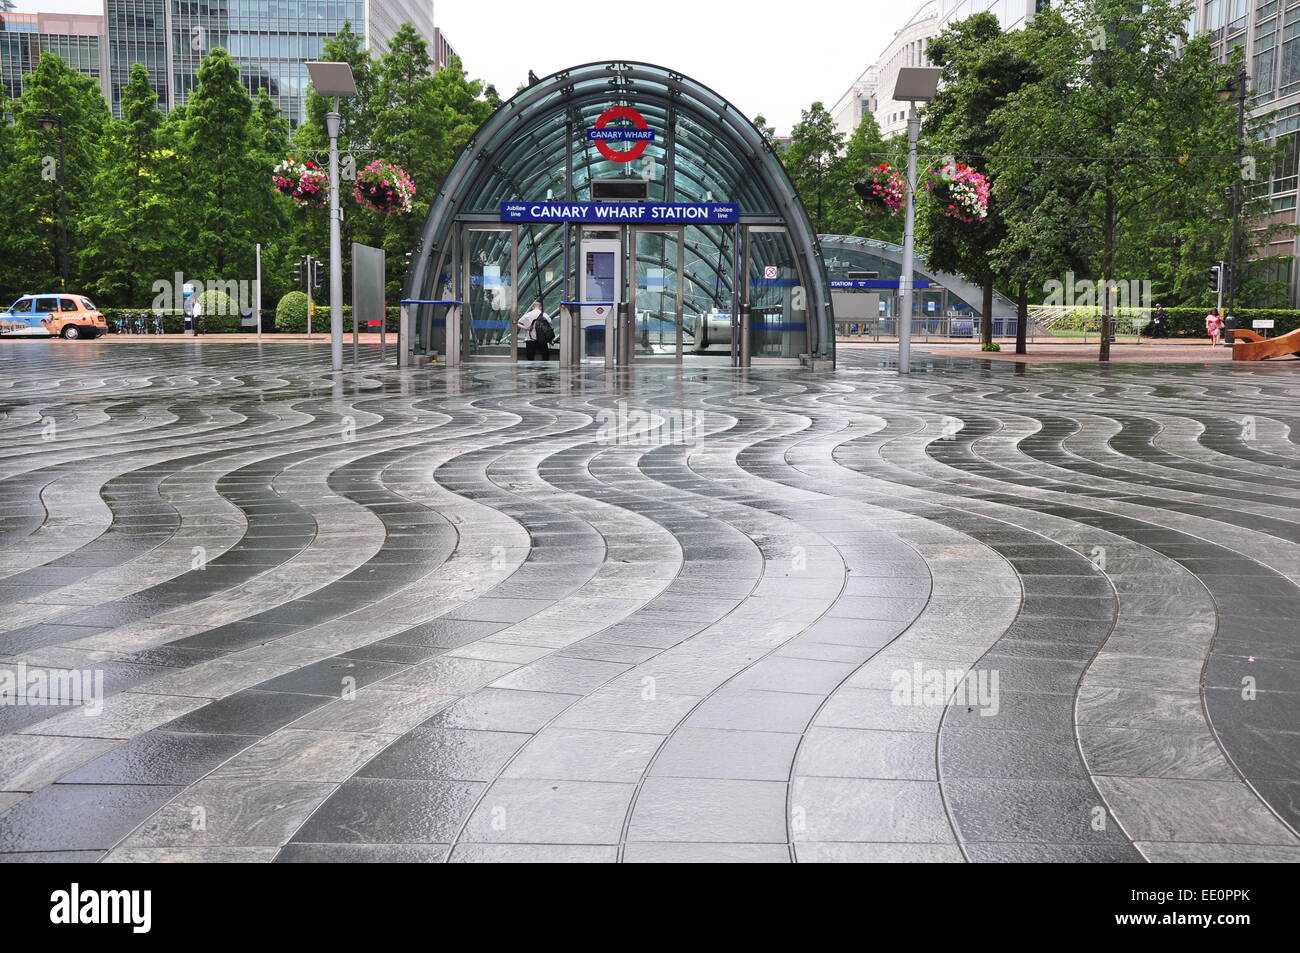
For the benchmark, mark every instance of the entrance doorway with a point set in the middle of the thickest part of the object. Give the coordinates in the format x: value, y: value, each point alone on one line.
x: 634, y: 293
x: 656, y: 262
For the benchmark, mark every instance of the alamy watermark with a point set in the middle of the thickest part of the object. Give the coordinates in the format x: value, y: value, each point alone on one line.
x: 1085, y: 293
x: 32, y: 687
x: 627, y: 426
x: 920, y: 687
x: 171, y: 296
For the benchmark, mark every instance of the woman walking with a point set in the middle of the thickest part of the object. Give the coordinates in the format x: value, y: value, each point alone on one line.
x: 1213, y: 326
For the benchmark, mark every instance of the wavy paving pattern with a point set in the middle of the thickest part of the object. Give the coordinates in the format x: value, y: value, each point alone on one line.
x: 985, y: 614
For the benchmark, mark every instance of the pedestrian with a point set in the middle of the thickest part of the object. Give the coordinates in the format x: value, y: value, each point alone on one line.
x: 538, y: 333
x: 198, y: 314
x: 1213, y: 326
x: 1159, y: 327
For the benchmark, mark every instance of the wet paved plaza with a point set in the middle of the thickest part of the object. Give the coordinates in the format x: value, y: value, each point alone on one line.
x: 989, y: 613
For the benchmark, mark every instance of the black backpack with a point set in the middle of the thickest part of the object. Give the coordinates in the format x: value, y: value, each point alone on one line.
x: 542, y: 330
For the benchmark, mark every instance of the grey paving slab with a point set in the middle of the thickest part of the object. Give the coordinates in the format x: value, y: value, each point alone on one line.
x: 530, y: 811
x: 386, y: 811
x: 866, y: 853
x: 445, y: 754
x: 231, y: 813
x: 582, y: 754
x: 880, y: 811
x: 706, y: 854
x: 687, y: 810
x: 79, y: 817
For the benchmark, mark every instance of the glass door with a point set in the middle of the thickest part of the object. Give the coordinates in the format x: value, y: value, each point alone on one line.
x: 491, y: 263
x: 778, y: 305
x: 656, y: 299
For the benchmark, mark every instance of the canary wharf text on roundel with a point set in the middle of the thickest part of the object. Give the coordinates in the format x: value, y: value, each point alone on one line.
x: 711, y: 213
x: 640, y: 135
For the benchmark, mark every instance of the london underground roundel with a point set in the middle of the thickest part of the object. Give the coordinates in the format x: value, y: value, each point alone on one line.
x: 640, y: 135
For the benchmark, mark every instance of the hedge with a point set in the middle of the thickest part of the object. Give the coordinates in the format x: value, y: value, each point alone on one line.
x: 1182, y: 322
x: 1190, y: 322
x: 142, y: 320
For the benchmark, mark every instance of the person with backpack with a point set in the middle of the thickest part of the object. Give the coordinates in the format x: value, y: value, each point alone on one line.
x: 538, y: 333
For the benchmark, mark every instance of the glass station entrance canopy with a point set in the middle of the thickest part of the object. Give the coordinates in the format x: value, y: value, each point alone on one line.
x: 649, y: 217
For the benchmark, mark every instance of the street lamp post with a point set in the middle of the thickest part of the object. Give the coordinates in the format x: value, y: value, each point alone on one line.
x: 1237, y: 87
x: 334, y: 79
x: 916, y: 84
x: 50, y: 121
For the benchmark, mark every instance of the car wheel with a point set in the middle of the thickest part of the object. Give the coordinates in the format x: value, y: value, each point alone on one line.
x: 71, y: 332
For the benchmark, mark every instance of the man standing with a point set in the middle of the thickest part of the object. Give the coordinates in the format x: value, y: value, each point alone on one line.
x: 538, y: 333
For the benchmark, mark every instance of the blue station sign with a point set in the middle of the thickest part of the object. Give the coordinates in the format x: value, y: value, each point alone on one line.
x: 839, y: 284
x: 713, y: 213
x: 620, y: 134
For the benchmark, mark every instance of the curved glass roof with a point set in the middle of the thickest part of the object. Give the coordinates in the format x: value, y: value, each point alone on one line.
x: 535, y: 147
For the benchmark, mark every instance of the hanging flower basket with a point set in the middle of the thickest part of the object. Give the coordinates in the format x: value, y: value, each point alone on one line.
x: 385, y: 188
x: 959, y: 192
x: 304, y: 182
x: 882, y: 190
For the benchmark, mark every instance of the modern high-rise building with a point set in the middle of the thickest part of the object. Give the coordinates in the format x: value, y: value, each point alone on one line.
x: 271, y: 40
x: 77, y: 39
x: 1268, y: 31
x: 440, y: 50
x: 382, y: 20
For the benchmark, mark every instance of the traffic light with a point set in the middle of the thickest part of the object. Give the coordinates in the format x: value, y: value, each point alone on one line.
x: 298, y: 272
x: 1216, y: 277
x: 317, y: 267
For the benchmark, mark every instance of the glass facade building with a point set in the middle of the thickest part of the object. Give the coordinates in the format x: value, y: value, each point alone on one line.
x: 271, y: 40
x: 1268, y: 33
x: 78, y: 40
x: 750, y: 289
x: 383, y: 20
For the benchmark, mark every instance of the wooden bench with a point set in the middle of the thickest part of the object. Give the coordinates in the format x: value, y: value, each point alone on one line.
x: 1249, y: 346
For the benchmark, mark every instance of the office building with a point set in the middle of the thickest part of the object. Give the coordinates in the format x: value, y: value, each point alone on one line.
x: 271, y: 40
x: 77, y: 39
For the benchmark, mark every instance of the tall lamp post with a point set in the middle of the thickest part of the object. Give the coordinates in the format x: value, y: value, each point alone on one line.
x: 50, y: 121
x: 1236, y: 87
x: 334, y: 79
x: 915, y: 84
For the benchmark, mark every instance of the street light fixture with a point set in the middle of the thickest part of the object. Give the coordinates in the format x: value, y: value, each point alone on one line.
x: 50, y: 122
x: 915, y: 84
x: 334, y: 79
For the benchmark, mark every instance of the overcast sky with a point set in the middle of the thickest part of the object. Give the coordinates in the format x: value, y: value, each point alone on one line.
x: 765, y: 56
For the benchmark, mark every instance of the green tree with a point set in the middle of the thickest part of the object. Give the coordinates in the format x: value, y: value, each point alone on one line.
x: 31, y: 258
x: 866, y: 149
x: 980, y: 69
x: 227, y: 189
x: 357, y: 147
x: 768, y: 132
x: 1126, y: 134
x: 422, y: 119
x: 813, y: 161
x: 131, y: 232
